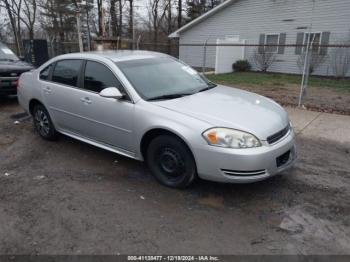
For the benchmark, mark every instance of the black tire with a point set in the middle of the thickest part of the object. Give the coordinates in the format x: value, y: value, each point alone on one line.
x: 43, y: 123
x: 171, y: 161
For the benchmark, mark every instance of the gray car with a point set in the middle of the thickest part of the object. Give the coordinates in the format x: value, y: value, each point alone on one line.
x: 11, y: 67
x: 154, y: 108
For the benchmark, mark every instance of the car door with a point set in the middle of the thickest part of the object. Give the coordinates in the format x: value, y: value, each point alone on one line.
x: 106, y: 120
x: 62, y: 94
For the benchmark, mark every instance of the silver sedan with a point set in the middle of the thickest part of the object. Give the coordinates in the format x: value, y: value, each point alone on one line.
x: 154, y: 108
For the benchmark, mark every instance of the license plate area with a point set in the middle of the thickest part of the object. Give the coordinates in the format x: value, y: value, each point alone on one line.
x: 283, y: 159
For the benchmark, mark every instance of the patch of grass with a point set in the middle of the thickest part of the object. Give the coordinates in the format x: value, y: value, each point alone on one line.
x: 268, y: 79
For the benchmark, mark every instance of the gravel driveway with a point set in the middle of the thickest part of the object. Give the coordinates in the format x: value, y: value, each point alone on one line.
x: 67, y: 197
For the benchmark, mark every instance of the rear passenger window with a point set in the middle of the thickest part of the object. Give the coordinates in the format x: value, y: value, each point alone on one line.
x: 44, y: 74
x: 66, y: 72
x: 98, y: 77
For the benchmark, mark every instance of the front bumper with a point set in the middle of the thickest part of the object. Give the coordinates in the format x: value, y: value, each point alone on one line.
x: 246, y: 165
x: 8, y: 85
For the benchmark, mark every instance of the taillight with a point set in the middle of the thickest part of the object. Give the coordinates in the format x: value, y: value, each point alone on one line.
x: 16, y: 83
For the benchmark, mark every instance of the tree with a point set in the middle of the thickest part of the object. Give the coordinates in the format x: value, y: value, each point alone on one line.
x: 179, y: 14
x: 196, y: 8
x: 57, y: 18
x: 12, y: 16
x: 340, y: 59
x: 156, y: 13
x: 263, y: 59
x: 169, y: 23
x: 131, y: 20
x: 315, y: 61
x: 100, y: 17
x: 17, y: 10
x: 29, y: 11
x: 114, y: 21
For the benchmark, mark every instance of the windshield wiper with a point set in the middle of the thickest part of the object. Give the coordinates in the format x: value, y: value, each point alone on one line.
x: 210, y: 86
x: 170, y: 96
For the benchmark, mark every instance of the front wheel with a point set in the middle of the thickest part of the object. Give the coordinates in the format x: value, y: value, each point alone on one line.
x: 43, y: 124
x: 171, y: 161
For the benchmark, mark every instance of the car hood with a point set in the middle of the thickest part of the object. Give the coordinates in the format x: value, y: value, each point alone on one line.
x: 229, y: 107
x: 8, y: 66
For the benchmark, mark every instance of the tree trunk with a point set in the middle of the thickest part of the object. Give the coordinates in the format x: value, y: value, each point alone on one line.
x: 179, y: 16
x: 114, y: 22
x: 13, y: 25
x: 100, y: 17
x: 131, y: 22
x: 155, y: 30
x: 169, y: 26
x: 61, y: 34
x: 20, y: 44
x: 31, y: 34
x: 88, y: 28
x: 120, y: 26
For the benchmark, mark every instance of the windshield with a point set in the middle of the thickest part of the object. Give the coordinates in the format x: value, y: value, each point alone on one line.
x: 6, y: 54
x: 163, y: 78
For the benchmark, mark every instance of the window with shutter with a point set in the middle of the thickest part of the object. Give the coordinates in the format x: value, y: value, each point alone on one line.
x: 271, y: 42
x: 312, y: 41
x: 261, y: 43
x: 317, y: 42
x: 324, y: 42
x: 282, y: 42
x: 299, y: 43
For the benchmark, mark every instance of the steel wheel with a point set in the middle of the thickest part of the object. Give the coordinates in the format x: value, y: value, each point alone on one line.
x: 171, y: 161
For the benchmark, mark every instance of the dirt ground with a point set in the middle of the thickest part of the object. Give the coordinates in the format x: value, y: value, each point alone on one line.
x: 67, y: 197
x: 321, y: 99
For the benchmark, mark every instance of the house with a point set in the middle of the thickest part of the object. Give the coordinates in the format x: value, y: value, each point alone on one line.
x: 274, y: 22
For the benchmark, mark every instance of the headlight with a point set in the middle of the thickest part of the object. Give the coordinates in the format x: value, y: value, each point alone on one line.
x: 231, y: 138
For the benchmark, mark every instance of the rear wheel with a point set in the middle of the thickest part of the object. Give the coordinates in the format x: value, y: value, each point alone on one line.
x: 171, y: 162
x: 43, y: 124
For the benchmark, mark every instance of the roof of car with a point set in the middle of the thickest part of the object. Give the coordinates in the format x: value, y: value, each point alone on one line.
x: 116, y: 55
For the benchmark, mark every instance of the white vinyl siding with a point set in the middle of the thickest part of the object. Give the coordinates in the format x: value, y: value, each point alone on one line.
x: 250, y: 18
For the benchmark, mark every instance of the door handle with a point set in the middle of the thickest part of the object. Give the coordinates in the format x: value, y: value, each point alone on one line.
x: 47, y: 90
x: 85, y: 100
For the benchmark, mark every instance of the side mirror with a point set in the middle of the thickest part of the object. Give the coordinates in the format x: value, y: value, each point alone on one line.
x: 111, y: 92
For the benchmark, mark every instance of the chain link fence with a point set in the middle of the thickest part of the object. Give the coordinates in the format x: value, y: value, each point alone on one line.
x: 310, y: 75
x: 59, y: 48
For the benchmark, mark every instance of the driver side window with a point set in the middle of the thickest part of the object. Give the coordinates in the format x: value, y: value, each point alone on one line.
x: 98, y: 77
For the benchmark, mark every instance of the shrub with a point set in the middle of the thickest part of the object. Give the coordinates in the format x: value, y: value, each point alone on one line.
x: 241, y: 66
x: 315, y: 61
x: 263, y: 59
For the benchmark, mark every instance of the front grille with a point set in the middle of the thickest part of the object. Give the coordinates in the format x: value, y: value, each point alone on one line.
x: 243, y: 173
x: 277, y: 136
x: 14, y: 73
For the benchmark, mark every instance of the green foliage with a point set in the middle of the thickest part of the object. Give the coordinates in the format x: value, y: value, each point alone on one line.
x: 196, y: 8
x: 241, y: 66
